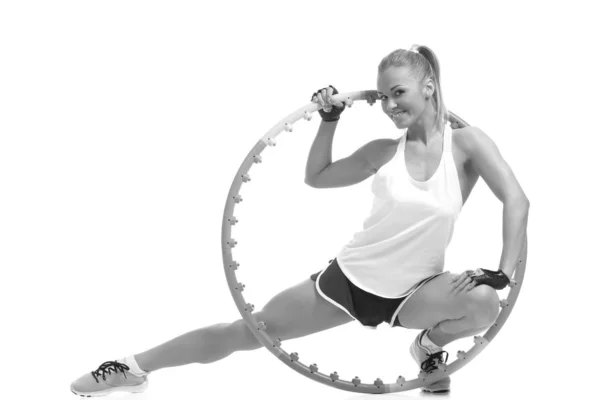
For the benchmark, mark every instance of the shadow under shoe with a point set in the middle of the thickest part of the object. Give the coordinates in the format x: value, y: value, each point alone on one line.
x: 429, y: 362
x: 110, y: 377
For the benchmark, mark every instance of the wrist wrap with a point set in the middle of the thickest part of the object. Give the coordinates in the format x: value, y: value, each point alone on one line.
x: 496, y: 279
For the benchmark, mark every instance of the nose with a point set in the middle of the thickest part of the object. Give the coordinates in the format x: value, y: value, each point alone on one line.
x: 388, y: 104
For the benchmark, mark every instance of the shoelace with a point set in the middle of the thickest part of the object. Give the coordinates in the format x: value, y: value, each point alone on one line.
x: 431, y: 363
x: 109, y: 366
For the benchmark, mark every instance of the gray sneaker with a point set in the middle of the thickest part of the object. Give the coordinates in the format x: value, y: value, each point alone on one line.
x: 429, y: 361
x: 110, y: 377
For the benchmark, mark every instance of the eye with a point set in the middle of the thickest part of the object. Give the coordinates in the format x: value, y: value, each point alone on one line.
x: 396, y: 94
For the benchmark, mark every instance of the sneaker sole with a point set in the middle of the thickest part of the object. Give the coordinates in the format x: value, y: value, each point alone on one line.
x: 436, y: 391
x: 129, y: 389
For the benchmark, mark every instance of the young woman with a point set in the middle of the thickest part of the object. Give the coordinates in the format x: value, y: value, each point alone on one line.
x: 392, y: 270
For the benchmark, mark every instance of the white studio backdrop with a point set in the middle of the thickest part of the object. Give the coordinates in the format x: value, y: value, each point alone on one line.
x: 122, y: 125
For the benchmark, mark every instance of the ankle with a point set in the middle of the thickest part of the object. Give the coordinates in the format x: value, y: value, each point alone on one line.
x: 134, y: 366
x: 433, y: 338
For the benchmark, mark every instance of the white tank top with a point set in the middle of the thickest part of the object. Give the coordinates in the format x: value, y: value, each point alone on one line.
x: 404, y: 240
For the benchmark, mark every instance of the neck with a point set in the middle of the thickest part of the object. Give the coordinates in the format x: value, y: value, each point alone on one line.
x: 423, y: 130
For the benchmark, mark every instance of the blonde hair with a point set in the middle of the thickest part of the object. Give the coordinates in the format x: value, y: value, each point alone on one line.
x: 423, y: 65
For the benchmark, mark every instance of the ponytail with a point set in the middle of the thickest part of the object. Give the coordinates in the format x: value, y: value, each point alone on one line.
x: 440, y: 108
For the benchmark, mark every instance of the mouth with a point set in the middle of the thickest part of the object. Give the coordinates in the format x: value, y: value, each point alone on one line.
x: 397, y: 115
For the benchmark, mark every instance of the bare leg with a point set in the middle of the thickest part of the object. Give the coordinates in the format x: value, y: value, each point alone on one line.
x: 452, y: 316
x: 204, y: 345
x: 441, y: 338
x: 295, y: 312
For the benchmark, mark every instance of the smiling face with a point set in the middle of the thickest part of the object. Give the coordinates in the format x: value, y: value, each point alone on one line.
x: 403, y: 98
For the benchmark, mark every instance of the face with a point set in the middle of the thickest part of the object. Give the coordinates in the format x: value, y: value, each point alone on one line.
x: 402, y: 96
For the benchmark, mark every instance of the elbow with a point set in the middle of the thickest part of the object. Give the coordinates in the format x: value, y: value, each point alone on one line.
x: 313, y: 180
x: 313, y: 183
x: 521, y: 203
x: 518, y: 200
x: 310, y: 181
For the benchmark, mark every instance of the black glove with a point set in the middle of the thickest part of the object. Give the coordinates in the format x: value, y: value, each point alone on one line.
x: 496, y: 279
x: 335, y: 112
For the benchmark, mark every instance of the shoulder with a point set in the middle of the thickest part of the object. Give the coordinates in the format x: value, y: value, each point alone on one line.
x: 470, y: 140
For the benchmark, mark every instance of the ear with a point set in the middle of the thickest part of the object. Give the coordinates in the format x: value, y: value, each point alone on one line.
x: 429, y: 89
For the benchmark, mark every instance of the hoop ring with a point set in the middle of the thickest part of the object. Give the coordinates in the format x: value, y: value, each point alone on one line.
x: 259, y: 328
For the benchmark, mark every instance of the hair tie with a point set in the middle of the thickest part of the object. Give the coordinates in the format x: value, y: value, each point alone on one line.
x: 414, y: 48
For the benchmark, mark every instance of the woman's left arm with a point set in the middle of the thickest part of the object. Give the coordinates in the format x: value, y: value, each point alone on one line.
x: 487, y: 161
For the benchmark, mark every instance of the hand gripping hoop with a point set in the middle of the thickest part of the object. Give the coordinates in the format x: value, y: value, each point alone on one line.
x: 259, y: 328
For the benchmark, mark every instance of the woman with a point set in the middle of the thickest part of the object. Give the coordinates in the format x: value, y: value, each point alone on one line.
x: 392, y: 270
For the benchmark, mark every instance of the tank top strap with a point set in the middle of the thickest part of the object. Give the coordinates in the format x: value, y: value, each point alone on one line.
x: 401, y: 146
x: 448, y: 138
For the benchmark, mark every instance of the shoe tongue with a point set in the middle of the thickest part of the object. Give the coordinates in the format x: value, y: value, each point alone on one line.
x: 433, y: 349
x: 429, y: 345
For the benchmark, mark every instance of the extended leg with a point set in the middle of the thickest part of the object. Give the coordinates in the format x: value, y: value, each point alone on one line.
x: 204, y: 345
x: 295, y: 312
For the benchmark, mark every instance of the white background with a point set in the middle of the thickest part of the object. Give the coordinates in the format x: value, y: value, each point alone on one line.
x: 123, y: 123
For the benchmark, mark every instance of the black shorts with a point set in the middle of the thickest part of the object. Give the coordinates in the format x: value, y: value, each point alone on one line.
x: 368, y: 309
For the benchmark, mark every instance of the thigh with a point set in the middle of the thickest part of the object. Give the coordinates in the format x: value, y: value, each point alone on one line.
x: 433, y: 302
x: 299, y: 311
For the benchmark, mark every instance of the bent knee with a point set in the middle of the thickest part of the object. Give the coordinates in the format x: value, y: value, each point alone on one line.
x: 484, y: 305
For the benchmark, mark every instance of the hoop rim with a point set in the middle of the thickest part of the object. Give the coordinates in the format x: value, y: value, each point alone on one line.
x: 258, y: 328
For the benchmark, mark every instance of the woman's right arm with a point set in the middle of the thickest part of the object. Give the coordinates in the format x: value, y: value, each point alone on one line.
x: 320, y: 171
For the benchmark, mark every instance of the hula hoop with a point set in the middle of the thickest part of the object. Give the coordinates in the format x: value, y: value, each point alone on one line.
x: 259, y: 328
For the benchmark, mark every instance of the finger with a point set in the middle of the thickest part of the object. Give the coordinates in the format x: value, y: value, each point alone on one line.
x: 470, y: 286
x: 461, y: 285
x: 455, y: 290
x: 320, y: 99
x: 456, y: 281
x: 326, y: 96
x: 464, y: 285
x: 323, y: 97
x: 325, y: 101
x: 336, y: 102
x: 330, y: 94
x: 456, y: 285
x: 459, y: 278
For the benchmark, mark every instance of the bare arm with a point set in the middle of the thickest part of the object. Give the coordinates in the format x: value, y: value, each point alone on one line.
x: 495, y: 171
x: 320, y: 152
x: 322, y: 173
